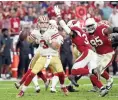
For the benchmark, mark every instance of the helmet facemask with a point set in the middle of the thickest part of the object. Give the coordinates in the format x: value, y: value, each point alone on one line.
x: 91, y: 25
x: 43, y: 23
x: 90, y: 28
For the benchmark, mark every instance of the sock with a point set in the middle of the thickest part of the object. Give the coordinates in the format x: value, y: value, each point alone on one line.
x: 61, y: 78
x: 80, y: 71
x: 35, y: 80
x: 95, y: 81
x: 55, y: 80
x: 105, y: 75
x: 29, y: 78
x: 92, y: 83
x: 25, y: 76
x: 42, y: 76
x: 77, y: 77
x: 24, y: 88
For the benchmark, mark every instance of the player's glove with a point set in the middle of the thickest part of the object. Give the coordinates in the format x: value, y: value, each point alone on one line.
x: 33, y: 38
x: 60, y: 40
x: 57, y: 11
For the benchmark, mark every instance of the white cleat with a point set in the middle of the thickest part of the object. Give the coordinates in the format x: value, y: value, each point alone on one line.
x: 37, y: 89
x: 103, y: 92
x: 53, y: 90
x: 109, y: 83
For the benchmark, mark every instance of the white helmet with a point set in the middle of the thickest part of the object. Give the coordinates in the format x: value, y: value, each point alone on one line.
x: 53, y: 23
x: 90, y: 25
x: 73, y: 23
x: 43, y: 22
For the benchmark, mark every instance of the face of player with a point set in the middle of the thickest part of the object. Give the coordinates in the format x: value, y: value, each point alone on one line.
x: 43, y: 26
x: 43, y: 23
x: 90, y: 29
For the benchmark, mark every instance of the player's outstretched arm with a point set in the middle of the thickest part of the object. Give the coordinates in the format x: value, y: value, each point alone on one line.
x: 61, y: 21
x: 115, y: 29
x: 110, y: 30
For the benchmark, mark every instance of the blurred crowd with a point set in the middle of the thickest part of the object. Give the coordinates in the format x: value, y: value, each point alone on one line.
x: 16, y: 15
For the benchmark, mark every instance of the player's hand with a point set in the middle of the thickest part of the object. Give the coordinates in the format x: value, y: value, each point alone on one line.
x: 32, y: 38
x: 60, y: 40
x: 57, y: 11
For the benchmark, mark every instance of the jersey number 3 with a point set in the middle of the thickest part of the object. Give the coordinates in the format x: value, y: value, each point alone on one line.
x: 43, y: 43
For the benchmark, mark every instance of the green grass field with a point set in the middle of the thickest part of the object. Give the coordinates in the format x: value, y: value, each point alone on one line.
x: 9, y: 92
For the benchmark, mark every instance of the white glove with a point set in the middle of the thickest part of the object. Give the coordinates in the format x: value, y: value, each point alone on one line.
x: 60, y: 40
x: 57, y: 11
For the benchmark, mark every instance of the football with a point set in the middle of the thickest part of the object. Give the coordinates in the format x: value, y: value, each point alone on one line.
x: 23, y: 35
x: 55, y: 44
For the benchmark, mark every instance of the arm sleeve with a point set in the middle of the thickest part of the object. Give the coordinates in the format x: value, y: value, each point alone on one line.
x: 64, y: 26
x: 115, y: 29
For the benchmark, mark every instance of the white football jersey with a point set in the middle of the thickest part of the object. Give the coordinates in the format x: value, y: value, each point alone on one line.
x: 46, y: 49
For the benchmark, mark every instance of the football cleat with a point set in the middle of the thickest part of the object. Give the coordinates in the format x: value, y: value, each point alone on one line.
x: 21, y: 94
x: 71, y: 89
x: 109, y: 83
x: 72, y: 79
x: 65, y: 90
x: 17, y: 85
x: 53, y: 90
x: 103, y: 92
x: 37, y: 88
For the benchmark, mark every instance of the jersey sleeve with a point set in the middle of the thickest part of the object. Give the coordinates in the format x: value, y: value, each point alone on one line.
x: 36, y: 33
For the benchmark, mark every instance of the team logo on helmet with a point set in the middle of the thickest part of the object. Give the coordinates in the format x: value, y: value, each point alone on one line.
x: 43, y: 22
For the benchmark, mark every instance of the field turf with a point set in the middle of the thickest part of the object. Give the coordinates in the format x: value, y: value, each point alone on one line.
x: 9, y: 92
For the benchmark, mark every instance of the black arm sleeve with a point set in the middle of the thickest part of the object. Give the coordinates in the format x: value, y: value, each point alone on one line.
x: 74, y: 34
x: 115, y: 29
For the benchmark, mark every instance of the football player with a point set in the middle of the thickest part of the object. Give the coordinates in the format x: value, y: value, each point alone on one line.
x: 99, y: 38
x: 79, y: 38
x: 49, y: 41
x: 23, y: 36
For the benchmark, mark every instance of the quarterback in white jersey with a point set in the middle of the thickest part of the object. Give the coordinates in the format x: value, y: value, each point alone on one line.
x: 49, y: 40
x: 45, y: 40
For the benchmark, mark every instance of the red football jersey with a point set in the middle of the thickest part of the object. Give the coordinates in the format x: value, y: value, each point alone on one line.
x: 81, y: 40
x: 15, y: 24
x: 100, y: 41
